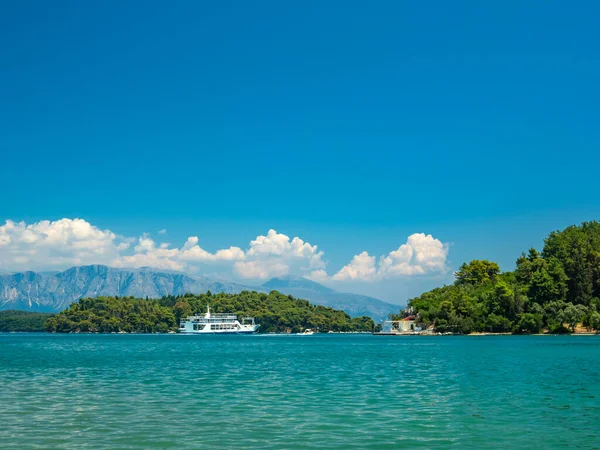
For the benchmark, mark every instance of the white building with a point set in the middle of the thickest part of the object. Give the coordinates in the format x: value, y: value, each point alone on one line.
x: 406, y: 325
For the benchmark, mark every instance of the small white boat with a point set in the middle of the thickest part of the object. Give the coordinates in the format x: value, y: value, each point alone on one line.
x: 306, y: 332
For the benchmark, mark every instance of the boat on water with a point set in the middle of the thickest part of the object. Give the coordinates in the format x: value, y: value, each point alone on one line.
x: 306, y: 332
x: 217, y: 324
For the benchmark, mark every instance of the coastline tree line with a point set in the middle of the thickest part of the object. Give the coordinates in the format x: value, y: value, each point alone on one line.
x: 22, y: 321
x: 275, y: 312
x: 554, y: 290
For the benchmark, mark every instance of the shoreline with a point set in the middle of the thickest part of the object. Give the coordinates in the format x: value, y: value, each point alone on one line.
x: 590, y: 333
x: 431, y: 334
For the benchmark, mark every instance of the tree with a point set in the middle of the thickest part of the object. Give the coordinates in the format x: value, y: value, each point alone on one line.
x: 477, y: 272
x: 553, y: 314
x: 595, y: 320
x: 527, y: 265
x: 503, y: 301
x: 548, y: 284
x: 573, y: 314
x: 529, y: 323
x: 12, y: 320
x: 578, y: 250
x: 182, y: 309
x: 498, y: 324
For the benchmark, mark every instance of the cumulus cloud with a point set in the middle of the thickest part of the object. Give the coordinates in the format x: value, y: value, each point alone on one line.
x: 192, y: 252
x: 420, y: 255
x: 362, y: 266
x: 63, y: 243
x: 148, y: 254
x: 276, y: 254
x: 261, y: 269
x: 318, y: 275
x: 68, y: 242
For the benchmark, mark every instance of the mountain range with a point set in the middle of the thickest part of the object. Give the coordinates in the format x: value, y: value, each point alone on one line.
x: 55, y: 291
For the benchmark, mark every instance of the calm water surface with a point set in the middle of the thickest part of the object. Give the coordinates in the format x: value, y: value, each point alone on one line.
x: 331, y: 391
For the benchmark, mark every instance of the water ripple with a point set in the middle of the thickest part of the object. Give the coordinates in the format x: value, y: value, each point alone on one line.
x: 352, y: 392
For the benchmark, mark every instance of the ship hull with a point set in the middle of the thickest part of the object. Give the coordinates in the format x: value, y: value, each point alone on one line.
x: 218, y: 332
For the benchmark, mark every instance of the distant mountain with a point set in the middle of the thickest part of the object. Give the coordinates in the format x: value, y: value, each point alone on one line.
x: 354, y: 304
x: 55, y: 291
x: 52, y: 292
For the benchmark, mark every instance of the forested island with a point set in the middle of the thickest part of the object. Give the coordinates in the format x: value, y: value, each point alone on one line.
x: 12, y: 320
x: 275, y: 312
x: 553, y: 291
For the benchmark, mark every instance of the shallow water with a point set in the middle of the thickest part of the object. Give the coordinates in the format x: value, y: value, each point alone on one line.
x: 329, y: 391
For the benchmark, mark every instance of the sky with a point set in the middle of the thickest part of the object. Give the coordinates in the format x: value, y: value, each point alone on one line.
x: 370, y: 146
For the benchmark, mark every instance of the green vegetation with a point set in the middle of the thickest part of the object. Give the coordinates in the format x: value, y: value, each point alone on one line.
x: 554, y: 290
x: 22, y: 321
x: 111, y: 314
x: 274, y: 312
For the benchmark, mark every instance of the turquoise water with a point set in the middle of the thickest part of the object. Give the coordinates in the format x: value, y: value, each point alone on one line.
x: 331, y: 391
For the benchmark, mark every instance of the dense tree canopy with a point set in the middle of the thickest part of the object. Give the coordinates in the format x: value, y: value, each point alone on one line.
x: 274, y: 312
x: 477, y: 272
x: 23, y: 321
x: 577, y: 248
x: 555, y: 289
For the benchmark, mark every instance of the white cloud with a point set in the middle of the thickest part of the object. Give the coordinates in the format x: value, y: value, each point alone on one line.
x: 268, y: 256
x: 163, y: 231
x: 64, y: 242
x: 276, y: 244
x: 191, y: 251
x: 276, y: 254
x: 421, y: 255
x: 317, y: 275
x: 67, y: 242
x: 148, y: 255
x: 145, y: 245
x: 261, y: 269
x: 362, y: 267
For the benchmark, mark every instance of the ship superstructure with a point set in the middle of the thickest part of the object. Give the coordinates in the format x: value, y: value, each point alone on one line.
x: 217, y: 324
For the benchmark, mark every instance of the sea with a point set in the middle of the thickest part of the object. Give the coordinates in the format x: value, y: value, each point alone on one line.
x: 346, y: 391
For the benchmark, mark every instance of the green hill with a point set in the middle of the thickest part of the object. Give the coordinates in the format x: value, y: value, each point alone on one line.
x: 274, y: 312
x: 13, y: 320
x: 549, y: 290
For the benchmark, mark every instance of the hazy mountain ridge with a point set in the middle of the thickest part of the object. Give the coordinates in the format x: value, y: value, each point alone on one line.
x: 354, y: 304
x: 54, y: 291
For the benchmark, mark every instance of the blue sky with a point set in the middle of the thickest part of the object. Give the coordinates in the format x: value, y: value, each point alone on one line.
x: 351, y: 125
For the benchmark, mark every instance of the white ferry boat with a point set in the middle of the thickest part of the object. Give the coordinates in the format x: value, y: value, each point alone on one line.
x: 217, y: 324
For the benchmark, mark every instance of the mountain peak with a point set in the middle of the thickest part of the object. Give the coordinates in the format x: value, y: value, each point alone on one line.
x: 290, y: 281
x: 54, y: 291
